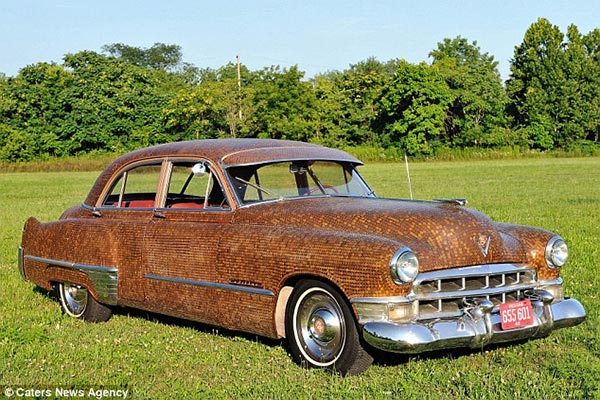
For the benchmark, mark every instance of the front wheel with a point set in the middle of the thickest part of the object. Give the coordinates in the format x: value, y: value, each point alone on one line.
x: 321, y: 331
x: 77, y: 302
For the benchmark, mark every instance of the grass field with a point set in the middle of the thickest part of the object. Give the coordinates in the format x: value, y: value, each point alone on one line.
x: 156, y: 357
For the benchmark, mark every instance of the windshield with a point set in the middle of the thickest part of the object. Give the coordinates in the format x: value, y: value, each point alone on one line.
x: 256, y: 183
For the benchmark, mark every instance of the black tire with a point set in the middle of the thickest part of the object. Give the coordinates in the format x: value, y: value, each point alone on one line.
x: 77, y: 302
x: 321, y: 330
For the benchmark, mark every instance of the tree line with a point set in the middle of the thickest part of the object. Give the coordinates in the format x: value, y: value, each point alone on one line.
x: 127, y: 97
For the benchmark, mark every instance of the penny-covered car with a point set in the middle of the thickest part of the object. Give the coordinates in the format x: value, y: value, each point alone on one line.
x: 284, y: 239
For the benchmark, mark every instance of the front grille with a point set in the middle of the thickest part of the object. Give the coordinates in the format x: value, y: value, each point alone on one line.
x: 441, y: 294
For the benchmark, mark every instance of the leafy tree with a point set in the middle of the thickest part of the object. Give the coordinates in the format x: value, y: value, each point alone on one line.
x: 34, y: 103
x: 571, y: 105
x: 553, y: 85
x: 535, y: 68
x: 362, y: 87
x: 15, y: 145
x: 284, y: 105
x: 591, y: 84
x: 210, y: 110
x: 161, y: 56
x: 191, y: 114
x: 331, y: 122
x: 132, y: 97
x: 415, y: 104
x: 477, y: 111
x: 115, y: 105
x: 217, y: 107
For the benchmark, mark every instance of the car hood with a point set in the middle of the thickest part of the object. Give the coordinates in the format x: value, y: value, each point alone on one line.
x: 443, y: 235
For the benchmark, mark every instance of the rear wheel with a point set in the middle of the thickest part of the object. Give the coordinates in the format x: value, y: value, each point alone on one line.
x: 77, y: 302
x: 321, y: 331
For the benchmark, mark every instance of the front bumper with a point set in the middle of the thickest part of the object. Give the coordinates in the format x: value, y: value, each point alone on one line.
x: 478, y: 326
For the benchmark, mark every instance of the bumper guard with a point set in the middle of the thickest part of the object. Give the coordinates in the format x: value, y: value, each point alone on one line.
x: 478, y: 326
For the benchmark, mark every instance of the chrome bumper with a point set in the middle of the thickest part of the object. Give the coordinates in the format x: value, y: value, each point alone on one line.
x: 478, y: 326
x: 21, y: 261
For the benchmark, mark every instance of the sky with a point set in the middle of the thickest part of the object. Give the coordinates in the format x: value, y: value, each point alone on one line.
x: 316, y: 35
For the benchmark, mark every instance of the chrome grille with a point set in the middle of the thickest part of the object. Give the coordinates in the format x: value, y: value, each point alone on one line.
x: 441, y: 293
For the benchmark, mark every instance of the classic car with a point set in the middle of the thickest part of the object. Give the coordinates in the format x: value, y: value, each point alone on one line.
x: 285, y: 239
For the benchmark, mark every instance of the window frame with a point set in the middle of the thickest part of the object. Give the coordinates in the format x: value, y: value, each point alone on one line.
x: 123, y: 176
x: 214, y: 176
x: 257, y: 166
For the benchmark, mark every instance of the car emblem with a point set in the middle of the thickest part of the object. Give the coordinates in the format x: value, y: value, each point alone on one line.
x: 483, y: 242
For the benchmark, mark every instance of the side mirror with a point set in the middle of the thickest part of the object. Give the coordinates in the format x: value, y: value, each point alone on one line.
x: 297, y: 169
x: 199, y: 169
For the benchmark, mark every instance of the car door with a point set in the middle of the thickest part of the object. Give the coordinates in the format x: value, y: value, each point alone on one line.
x: 181, y: 245
x: 124, y: 212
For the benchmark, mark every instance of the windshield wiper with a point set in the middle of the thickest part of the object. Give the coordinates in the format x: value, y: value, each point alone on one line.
x: 255, y: 186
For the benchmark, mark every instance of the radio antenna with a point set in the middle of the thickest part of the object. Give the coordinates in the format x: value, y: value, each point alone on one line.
x: 408, y: 175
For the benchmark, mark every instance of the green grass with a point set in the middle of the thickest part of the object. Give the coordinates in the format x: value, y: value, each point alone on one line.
x: 161, y: 357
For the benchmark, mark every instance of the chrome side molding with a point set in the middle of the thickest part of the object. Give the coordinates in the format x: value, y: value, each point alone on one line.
x: 104, y: 279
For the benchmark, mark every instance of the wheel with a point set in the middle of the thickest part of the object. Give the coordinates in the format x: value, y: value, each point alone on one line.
x: 77, y: 302
x: 321, y: 331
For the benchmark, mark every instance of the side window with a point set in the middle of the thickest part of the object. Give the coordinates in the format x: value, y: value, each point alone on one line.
x: 193, y: 185
x: 135, y: 188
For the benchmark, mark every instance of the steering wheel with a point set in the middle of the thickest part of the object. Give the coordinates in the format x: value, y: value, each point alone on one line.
x: 317, y: 188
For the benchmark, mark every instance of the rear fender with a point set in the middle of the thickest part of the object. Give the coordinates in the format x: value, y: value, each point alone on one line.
x: 43, y: 261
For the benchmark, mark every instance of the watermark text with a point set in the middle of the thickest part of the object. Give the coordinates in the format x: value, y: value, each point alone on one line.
x: 65, y: 392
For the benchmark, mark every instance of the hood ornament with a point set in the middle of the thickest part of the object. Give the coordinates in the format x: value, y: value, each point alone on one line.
x: 456, y: 202
x: 483, y: 242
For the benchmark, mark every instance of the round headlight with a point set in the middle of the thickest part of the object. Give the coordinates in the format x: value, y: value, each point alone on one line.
x: 556, y: 252
x: 404, y: 266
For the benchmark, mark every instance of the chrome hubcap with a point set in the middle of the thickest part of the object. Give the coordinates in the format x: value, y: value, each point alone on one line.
x: 74, y: 298
x: 320, y: 328
x: 324, y: 326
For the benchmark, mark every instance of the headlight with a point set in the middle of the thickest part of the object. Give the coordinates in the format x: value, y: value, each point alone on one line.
x: 404, y: 266
x: 556, y: 252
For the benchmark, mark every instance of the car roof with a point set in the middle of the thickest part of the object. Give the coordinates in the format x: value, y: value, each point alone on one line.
x: 240, y: 151
x: 225, y: 152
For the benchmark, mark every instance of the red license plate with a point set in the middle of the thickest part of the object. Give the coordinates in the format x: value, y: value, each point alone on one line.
x: 516, y: 314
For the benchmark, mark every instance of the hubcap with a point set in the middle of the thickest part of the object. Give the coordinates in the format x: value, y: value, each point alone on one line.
x: 320, y: 328
x: 324, y: 326
x: 74, y: 298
